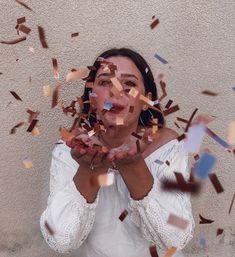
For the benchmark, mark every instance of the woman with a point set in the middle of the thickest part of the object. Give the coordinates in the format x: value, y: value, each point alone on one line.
x: 85, y: 216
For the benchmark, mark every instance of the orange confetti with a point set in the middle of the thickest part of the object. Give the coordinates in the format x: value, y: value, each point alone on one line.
x: 170, y: 252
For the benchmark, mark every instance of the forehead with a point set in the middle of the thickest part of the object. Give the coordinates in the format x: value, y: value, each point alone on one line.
x: 124, y: 65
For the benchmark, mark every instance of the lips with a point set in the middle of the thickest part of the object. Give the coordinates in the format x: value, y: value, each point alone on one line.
x: 116, y: 108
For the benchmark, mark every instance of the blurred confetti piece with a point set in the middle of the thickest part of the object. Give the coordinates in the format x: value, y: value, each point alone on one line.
x: 208, y: 92
x: 215, y: 182
x: 153, y: 251
x: 75, y: 34
x: 194, y: 138
x: 231, y: 205
x: 65, y: 135
x: 42, y: 37
x: 48, y: 228
x: 108, y: 105
x: 181, y: 137
x: 190, y: 119
x: 117, y: 83
x: 204, y: 220
x: 105, y: 179
x: 27, y: 163
x: 233, y: 88
x: 170, y: 252
x: 77, y: 74
x: 21, y: 20
x: 16, y: 96
x: 204, y: 165
x: 202, y: 242
x: 31, y: 49
x: 14, y: 41
x: 146, y: 100
x: 154, y: 23
x: 32, y: 125
x: 119, y: 120
x: 32, y: 115
x: 231, y: 133
x: 171, y: 110
x: 13, y: 130
x: 91, y: 133
x: 217, y: 138
x: 158, y: 162
x: 219, y: 231
x: 123, y: 215
x: 47, y: 91
x: 55, y: 68
x: 23, y: 4
x: 24, y: 29
x: 35, y: 131
x: 133, y: 92
x: 131, y: 109
x: 168, y: 104
x: 160, y: 59
x: 55, y: 96
x: 177, y: 221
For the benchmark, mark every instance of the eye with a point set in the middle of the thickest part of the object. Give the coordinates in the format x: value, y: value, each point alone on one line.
x: 130, y: 83
x: 104, y: 83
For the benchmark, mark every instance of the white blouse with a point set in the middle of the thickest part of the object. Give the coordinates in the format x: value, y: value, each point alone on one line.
x: 95, y: 230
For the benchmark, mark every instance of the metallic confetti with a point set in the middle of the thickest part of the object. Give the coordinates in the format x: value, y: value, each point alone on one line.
x: 27, y: 163
x: 13, y: 130
x: 133, y: 92
x: 75, y: 34
x: 153, y: 251
x: 170, y: 252
x: 55, y: 96
x: 77, y: 74
x: 231, y: 133
x: 24, y: 29
x: 177, y: 221
x: 215, y: 182
x: 204, y: 220
x: 231, y: 205
x: 32, y: 125
x: 208, y: 92
x: 14, y: 41
x: 168, y: 104
x: 16, y: 96
x: 23, y: 4
x: 106, y: 179
x: 160, y: 59
x: 55, y: 68
x: 49, y: 229
x: 154, y: 23
x: 47, y: 91
x: 171, y: 110
x: 123, y: 215
x: 119, y: 120
x: 219, y: 231
x: 42, y: 37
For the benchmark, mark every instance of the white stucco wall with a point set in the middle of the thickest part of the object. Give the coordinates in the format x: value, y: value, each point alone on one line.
x: 198, y: 40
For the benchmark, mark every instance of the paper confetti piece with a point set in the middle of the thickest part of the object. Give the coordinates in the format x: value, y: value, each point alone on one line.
x: 136, y: 135
x: 153, y: 251
x: 55, y: 68
x: 77, y: 74
x: 177, y: 221
x: 42, y: 37
x: 170, y: 252
x: 190, y: 119
x: 106, y: 179
x: 202, y: 242
x: 204, y: 166
x: 117, y: 83
x: 119, y: 120
x: 14, y: 41
x: 13, y: 130
x: 47, y: 91
x: 160, y: 59
x: 75, y: 34
x: 217, y: 138
x: 146, y: 100
x: 23, y: 4
x: 163, y: 88
x: 158, y: 162
x: 181, y: 137
x: 16, y: 95
x: 204, y: 220
x: 133, y: 92
x: 21, y: 20
x: 24, y: 29
x: 27, y: 163
x: 154, y: 23
x: 131, y: 109
x: 231, y: 205
x: 215, y: 182
x: 55, y: 96
x: 168, y: 104
x: 123, y: 215
x: 49, y: 229
x: 91, y: 133
x: 219, y: 231
x: 208, y: 92
x: 108, y: 105
x: 194, y: 138
x: 171, y: 110
x: 231, y: 133
x: 35, y: 131
x: 65, y: 135
x: 32, y: 125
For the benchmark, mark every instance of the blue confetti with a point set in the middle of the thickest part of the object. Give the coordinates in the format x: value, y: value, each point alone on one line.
x: 202, y: 242
x: 160, y: 59
x: 108, y: 105
x: 233, y: 88
x: 158, y: 162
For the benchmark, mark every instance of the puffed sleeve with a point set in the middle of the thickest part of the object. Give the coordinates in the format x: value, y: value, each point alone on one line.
x: 151, y: 213
x: 67, y: 213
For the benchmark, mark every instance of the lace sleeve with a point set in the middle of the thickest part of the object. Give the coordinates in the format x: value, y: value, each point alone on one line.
x: 67, y: 213
x: 151, y: 213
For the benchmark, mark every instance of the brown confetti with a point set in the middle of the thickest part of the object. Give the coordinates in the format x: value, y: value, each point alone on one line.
x: 171, y: 110
x: 14, y: 41
x: 24, y: 29
x: 214, y: 180
x: 196, y: 157
x: 27, y: 163
x: 32, y: 115
x: 153, y: 251
x: 65, y: 135
x: 181, y: 119
x: 219, y: 231
x: 231, y: 133
x: 42, y: 38
x: 23, y: 4
x: 49, y: 229
x: 190, y: 119
x: 21, y: 20
x: 154, y: 23
x: 190, y: 187
x: 32, y: 125
x: 138, y: 146
x: 131, y: 109
x: 177, y: 221
x: 204, y: 220
x: 13, y: 130
x: 136, y: 135
x: 231, y: 205
x: 181, y: 137
x: 55, y: 68
x: 16, y: 96
x: 75, y: 34
x: 168, y: 104
x: 55, y: 96
x: 176, y: 125
x: 207, y: 92
x: 123, y: 215
x: 163, y: 87
x: 77, y: 74
x: 170, y: 252
x: 167, y: 163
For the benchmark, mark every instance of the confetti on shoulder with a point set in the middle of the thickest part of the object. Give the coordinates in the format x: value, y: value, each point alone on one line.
x: 75, y: 34
x: 160, y: 59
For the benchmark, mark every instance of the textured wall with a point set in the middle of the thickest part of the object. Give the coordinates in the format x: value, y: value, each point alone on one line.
x: 198, y: 40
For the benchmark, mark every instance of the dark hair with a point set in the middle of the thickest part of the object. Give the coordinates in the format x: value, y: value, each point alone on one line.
x: 146, y: 117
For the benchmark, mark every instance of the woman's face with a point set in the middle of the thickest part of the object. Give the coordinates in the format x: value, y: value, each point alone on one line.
x: 129, y: 76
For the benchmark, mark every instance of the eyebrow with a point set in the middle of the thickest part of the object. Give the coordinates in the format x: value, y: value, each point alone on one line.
x: 126, y: 75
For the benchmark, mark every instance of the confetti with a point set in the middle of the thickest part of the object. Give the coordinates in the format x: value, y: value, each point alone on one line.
x: 207, y: 92
x: 163, y: 88
x: 91, y: 133
x: 153, y: 251
x: 32, y: 115
x: 136, y: 135
x: 214, y: 180
x: 24, y: 29
x: 77, y: 74
x: 47, y: 91
x: 123, y: 215
x: 231, y: 205
x: 154, y: 23
x: 204, y: 165
x: 146, y: 100
x: 75, y: 34
x: 217, y: 138
x: 117, y: 83
x: 181, y: 137
x: 158, y: 162
x: 23, y: 4
x: 32, y: 125
x: 177, y: 221
x: 202, y: 242
x: 13, y: 130
x: 170, y: 252
x: 55, y: 96
x: 55, y: 68
x: 194, y: 138
x: 171, y: 110
x: 49, y: 229
x: 168, y: 104
x: 204, y: 220
x: 106, y: 179
x: 167, y: 163
x: 190, y: 119
x: 35, y: 131
x: 42, y: 38
x: 160, y: 59
x: 21, y: 20
x: 31, y: 49
x: 119, y: 120
x: 65, y: 135
x: 233, y: 88
x: 14, y: 41
x: 219, y: 231
x: 133, y: 92
x: 16, y: 96
x: 231, y: 133
x: 182, y: 120
x: 108, y: 105
x: 131, y: 109
x: 27, y: 163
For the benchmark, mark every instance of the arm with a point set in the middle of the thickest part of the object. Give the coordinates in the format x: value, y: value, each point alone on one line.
x: 68, y: 213
x: 150, y: 206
